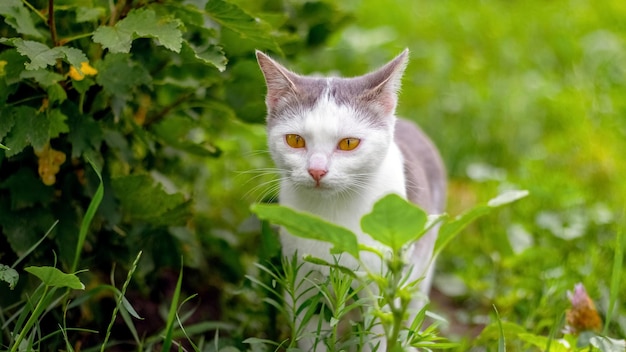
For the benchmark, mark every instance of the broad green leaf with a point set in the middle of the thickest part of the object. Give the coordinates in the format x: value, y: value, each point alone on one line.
x: 42, y: 76
x: 236, y: 19
x: 212, y: 55
x: 140, y: 23
x: 14, y: 66
x: 58, y: 123
x: 309, y: 226
x: 56, y: 94
x: 41, y: 55
x: 542, y: 341
x: 119, y: 75
x: 607, y: 344
x: 85, y: 134
x: 17, y: 16
x: 54, y: 277
x: 89, y: 14
x: 394, y: 222
x: 144, y: 199
x: 72, y: 56
x: 117, y: 40
x: 450, y: 229
x: 29, y: 128
x: 9, y: 275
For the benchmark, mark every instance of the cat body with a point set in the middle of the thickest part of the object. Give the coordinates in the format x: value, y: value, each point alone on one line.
x: 340, y: 148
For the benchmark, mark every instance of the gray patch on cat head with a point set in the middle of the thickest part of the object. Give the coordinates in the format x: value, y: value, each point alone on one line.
x: 309, y: 91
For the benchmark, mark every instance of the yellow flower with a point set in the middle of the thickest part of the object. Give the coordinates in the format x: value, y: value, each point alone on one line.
x: 85, y: 70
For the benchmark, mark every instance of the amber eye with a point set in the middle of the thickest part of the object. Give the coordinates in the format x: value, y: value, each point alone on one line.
x: 295, y: 141
x: 348, y: 143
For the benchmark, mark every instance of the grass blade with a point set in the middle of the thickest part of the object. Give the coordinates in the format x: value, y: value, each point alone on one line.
x: 501, y: 339
x: 171, y: 316
x: 119, y: 300
x: 86, y: 222
x: 615, y: 278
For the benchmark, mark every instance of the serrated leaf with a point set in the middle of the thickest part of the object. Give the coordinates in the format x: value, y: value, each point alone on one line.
x: 9, y: 275
x: 140, y: 23
x: 41, y: 55
x: 394, y: 222
x: 30, y: 128
x: 309, y: 226
x: 73, y: 56
x: 42, y: 76
x: 57, y: 123
x: 212, y: 55
x: 17, y: 16
x: 119, y: 75
x: 14, y: 65
x: 54, y: 277
x: 56, y: 94
x: 237, y: 20
x: 6, y: 122
x: 117, y: 40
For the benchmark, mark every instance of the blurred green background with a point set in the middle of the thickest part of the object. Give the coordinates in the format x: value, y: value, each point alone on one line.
x: 516, y: 94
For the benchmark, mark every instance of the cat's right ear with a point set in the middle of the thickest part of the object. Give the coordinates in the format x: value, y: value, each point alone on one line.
x: 279, y: 80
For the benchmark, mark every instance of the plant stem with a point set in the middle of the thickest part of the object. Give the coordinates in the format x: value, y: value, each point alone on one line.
x: 52, y: 24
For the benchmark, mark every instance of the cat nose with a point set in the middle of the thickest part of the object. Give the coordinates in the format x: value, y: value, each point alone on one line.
x: 317, y: 174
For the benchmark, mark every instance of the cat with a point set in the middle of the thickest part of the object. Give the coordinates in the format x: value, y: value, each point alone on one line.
x: 339, y: 148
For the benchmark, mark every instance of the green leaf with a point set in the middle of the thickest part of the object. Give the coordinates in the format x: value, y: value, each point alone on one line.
x: 237, y: 20
x: 54, y: 277
x: 140, y: 23
x: 119, y: 75
x: 41, y: 55
x: 17, y: 16
x: 450, y: 229
x: 42, y: 76
x: 9, y: 275
x: 607, y: 344
x: 309, y: 226
x: 394, y: 222
x: 30, y: 128
x: 89, y: 14
x: 58, y: 123
x: 85, y: 134
x: 212, y: 55
x: 14, y: 65
x: 144, y: 199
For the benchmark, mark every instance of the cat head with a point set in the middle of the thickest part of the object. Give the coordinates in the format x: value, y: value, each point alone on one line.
x: 329, y: 135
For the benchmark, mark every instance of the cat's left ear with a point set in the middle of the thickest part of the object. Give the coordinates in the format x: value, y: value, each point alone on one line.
x: 382, y: 85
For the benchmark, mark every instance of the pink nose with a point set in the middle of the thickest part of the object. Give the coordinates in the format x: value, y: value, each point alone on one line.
x: 317, y: 174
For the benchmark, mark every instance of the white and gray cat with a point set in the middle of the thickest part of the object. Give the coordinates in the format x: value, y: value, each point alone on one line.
x: 339, y: 148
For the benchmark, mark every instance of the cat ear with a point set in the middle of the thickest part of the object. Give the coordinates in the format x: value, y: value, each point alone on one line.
x: 279, y: 80
x: 382, y: 85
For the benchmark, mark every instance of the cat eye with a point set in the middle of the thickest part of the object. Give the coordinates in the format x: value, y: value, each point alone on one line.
x: 295, y: 141
x: 348, y: 143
